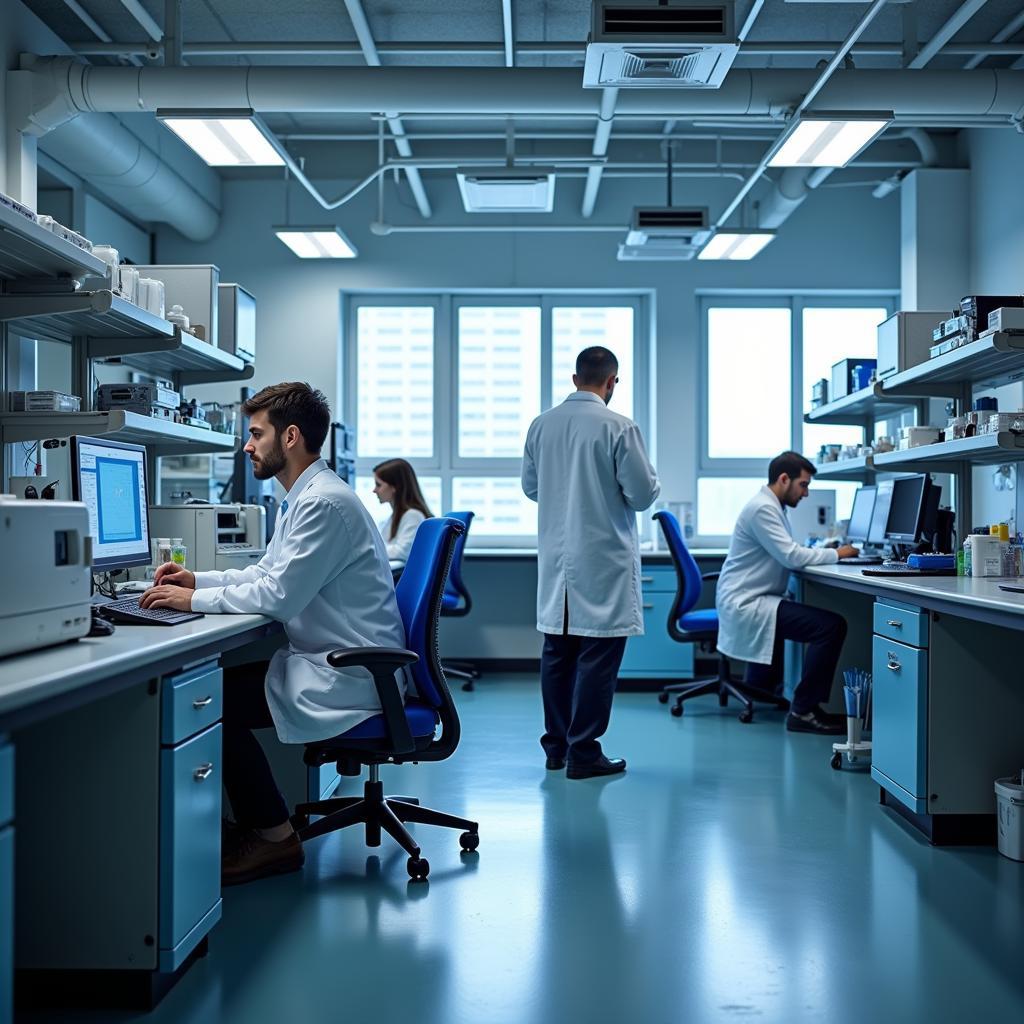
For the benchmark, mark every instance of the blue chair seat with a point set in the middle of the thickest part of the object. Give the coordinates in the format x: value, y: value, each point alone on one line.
x: 422, y: 722
x: 702, y: 621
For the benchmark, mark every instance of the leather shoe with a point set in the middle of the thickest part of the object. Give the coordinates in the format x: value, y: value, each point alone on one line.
x: 813, y: 722
x: 831, y: 717
x: 602, y: 766
x: 555, y: 764
x: 248, y: 856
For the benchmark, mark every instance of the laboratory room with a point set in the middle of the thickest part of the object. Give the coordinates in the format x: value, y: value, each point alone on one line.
x: 511, y: 511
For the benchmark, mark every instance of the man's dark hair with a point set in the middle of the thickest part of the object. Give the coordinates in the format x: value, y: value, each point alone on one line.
x: 294, y: 403
x: 790, y: 463
x: 595, y: 365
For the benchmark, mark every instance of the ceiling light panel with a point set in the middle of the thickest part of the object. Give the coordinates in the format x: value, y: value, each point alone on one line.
x: 735, y: 245
x: 226, y: 141
x: 317, y: 243
x: 827, y: 141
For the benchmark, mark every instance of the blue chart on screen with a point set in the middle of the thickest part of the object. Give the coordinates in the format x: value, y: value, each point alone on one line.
x: 118, y: 490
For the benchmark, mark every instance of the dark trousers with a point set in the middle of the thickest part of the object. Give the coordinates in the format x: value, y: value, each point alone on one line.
x: 823, y: 632
x: 255, y: 799
x: 577, y: 681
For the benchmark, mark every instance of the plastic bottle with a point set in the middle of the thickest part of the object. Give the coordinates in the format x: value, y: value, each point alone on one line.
x: 177, y: 551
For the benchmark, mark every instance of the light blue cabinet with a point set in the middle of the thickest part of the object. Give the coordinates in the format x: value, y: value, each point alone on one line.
x: 655, y: 655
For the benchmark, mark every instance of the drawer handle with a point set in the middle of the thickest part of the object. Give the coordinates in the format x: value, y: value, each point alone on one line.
x: 648, y: 607
x: 203, y: 772
x: 646, y: 579
x: 893, y: 666
x: 895, y: 623
x: 202, y: 702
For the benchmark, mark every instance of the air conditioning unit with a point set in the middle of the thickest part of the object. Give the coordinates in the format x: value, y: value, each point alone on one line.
x: 507, y: 189
x: 643, y: 44
x: 675, y: 250
x: 668, y: 225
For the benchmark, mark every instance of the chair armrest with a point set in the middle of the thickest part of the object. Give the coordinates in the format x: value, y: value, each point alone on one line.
x: 383, y: 663
x: 710, y: 575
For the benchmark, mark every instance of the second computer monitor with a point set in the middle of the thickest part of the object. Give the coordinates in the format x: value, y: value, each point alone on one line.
x: 860, y: 517
x: 880, y: 513
x: 907, y: 511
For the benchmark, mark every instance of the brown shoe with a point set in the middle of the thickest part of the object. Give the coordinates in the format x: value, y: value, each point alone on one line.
x: 248, y: 856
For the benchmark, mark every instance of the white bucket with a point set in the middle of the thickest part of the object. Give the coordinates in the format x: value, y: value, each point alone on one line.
x: 1010, y: 798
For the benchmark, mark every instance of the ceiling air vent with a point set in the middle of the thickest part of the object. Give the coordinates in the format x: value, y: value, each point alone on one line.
x: 645, y: 44
x: 507, y: 189
x: 668, y: 225
x: 675, y: 251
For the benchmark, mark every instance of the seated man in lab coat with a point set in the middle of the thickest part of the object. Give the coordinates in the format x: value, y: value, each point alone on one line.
x: 326, y: 577
x: 754, y: 618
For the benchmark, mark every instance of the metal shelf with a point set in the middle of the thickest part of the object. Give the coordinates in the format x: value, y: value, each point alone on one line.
x: 183, y: 357
x: 98, y: 315
x: 868, y: 403
x: 846, y: 469
x: 161, y: 437
x: 988, y: 362
x: 951, y: 456
x: 29, y: 250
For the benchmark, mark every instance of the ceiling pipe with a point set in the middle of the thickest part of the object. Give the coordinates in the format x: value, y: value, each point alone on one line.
x: 600, y: 148
x: 508, y: 33
x: 959, y: 18
x: 143, y: 19
x: 1011, y: 28
x: 362, y: 29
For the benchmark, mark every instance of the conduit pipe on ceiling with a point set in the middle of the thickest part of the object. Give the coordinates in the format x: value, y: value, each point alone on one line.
x: 65, y: 88
x: 602, y: 136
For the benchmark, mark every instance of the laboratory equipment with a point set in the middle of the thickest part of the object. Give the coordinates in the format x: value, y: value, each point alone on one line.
x: 1010, y: 800
x: 236, y: 332
x: 914, y: 437
x: 151, y: 295
x: 842, y: 376
x: 194, y: 288
x: 47, y: 553
x: 904, y: 340
x: 217, y: 536
x: 1006, y: 319
x: 146, y: 399
x: 813, y: 518
x: 819, y: 393
x: 44, y: 401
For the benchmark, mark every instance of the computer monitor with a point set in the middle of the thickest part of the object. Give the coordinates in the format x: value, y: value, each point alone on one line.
x: 880, y: 513
x: 906, y: 513
x: 110, y: 478
x: 860, y: 517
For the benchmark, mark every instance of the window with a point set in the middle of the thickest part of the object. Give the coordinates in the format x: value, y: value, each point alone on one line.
x: 452, y: 383
x: 720, y: 500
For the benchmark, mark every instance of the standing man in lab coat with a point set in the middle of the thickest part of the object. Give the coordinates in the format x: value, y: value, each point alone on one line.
x: 587, y: 469
x: 753, y: 617
x: 326, y: 577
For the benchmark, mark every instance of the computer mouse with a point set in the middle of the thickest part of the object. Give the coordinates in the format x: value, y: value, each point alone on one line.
x: 100, y: 627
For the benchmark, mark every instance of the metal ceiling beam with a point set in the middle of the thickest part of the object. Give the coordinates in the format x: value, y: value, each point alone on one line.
x: 508, y: 33
x: 959, y: 18
x: 143, y: 19
x: 362, y: 29
x: 1010, y: 29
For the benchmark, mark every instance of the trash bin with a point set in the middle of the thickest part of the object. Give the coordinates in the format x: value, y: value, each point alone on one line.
x: 1010, y: 798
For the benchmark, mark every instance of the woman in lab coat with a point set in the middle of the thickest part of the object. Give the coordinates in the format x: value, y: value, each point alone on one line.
x: 395, y: 484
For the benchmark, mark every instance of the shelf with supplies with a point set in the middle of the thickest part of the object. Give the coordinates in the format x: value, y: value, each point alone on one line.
x: 98, y: 315
x: 949, y: 456
x: 990, y: 361
x: 28, y: 249
x: 161, y: 437
x: 853, y: 410
x: 182, y: 357
x: 846, y: 469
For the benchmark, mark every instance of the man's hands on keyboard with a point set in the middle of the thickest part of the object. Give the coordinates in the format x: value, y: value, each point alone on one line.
x: 177, y: 598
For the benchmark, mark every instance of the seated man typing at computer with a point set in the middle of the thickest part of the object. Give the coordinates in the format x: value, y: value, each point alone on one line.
x: 754, y: 619
x: 326, y: 577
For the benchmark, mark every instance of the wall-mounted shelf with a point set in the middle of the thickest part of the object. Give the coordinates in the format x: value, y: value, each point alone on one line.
x: 950, y: 456
x: 852, y: 410
x: 846, y: 469
x: 29, y: 250
x: 183, y: 357
x: 161, y: 437
x: 991, y: 361
x: 98, y: 315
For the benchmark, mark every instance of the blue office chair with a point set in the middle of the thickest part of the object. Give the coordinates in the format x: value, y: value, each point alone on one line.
x: 457, y: 602
x: 690, y: 626
x: 399, y: 734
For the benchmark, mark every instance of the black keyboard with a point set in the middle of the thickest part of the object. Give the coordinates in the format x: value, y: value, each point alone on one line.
x: 127, y: 612
x: 902, y: 569
x: 862, y: 560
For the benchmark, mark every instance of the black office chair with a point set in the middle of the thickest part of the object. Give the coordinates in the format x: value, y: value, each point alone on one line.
x: 400, y: 733
x: 689, y: 626
x: 457, y: 603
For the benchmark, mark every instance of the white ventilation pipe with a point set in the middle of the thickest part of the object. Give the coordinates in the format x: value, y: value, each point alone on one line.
x: 609, y: 97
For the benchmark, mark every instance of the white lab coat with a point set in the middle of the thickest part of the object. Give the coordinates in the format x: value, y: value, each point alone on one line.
x: 588, y: 470
x: 401, y: 545
x: 325, y: 576
x: 755, y: 575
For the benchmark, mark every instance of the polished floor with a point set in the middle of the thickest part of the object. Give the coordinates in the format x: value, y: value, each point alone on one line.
x: 729, y: 875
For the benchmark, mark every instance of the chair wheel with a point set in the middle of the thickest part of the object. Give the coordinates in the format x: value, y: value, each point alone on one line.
x: 677, y: 710
x: 746, y: 716
x: 418, y: 868
x: 469, y: 686
x: 663, y: 697
x: 837, y: 761
x: 469, y: 841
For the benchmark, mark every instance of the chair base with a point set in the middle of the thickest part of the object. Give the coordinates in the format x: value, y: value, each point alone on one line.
x: 380, y: 813
x: 725, y: 687
x: 462, y: 670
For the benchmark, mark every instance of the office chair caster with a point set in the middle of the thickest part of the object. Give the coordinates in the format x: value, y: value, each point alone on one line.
x: 469, y: 686
x: 663, y: 697
x: 746, y: 716
x: 418, y: 868
x: 677, y: 710
x: 837, y: 761
x: 469, y: 841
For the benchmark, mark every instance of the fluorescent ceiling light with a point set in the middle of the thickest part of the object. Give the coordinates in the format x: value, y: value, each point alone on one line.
x: 828, y: 140
x: 735, y: 245
x: 225, y: 141
x: 318, y: 243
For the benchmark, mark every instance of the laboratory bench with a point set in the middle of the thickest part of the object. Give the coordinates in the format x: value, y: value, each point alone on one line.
x: 110, y: 808
x: 948, y: 699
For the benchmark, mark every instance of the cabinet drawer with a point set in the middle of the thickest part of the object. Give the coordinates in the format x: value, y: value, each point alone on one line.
x: 900, y: 715
x: 898, y: 622
x: 6, y: 784
x: 655, y: 655
x: 6, y: 923
x: 190, y: 812
x: 658, y: 579
x: 190, y: 702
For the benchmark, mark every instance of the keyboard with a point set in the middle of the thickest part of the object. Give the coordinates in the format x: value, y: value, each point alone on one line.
x: 902, y: 569
x: 862, y: 560
x: 126, y: 611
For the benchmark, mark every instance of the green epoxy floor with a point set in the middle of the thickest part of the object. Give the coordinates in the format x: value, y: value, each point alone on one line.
x: 729, y: 875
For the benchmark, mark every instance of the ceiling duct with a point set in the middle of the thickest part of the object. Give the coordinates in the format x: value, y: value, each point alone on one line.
x: 665, y: 233
x: 648, y: 45
x: 507, y: 189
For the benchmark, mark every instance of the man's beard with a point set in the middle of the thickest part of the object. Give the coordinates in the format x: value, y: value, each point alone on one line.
x: 270, y: 465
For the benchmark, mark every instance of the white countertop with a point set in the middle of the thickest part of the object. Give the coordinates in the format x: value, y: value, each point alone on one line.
x: 532, y: 553
x: 54, y: 671
x: 965, y: 590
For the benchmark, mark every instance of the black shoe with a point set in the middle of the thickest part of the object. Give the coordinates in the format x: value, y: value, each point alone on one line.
x: 814, y: 722
x: 830, y: 717
x: 555, y: 764
x: 602, y: 766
